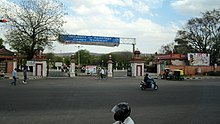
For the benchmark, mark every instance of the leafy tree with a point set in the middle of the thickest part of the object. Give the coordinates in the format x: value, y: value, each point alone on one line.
x: 83, y: 57
x: 148, y: 59
x: 121, y: 59
x: 1, y: 43
x: 182, y: 46
x: 33, y: 23
x: 103, y: 59
x: 66, y: 60
x: 166, y: 49
x: 94, y: 60
x: 50, y: 56
x: 202, y: 34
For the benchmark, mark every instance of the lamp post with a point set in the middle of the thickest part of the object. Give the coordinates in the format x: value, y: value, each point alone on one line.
x: 49, y: 63
x: 78, y: 58
x: 102, y: 64
x: 78, y: 55
x: 15, y: 61
x: 72, y: 66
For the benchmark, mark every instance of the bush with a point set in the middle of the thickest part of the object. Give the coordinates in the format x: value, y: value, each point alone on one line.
x: 212, y: 73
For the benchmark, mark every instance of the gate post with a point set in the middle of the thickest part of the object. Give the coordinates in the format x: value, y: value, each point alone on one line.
x: 72, y: 66
x: 137, y: 64
x: 14, y: 61
x: 110, y: 66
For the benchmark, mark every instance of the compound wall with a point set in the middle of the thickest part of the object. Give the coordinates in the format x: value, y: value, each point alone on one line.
x: 194, y: 70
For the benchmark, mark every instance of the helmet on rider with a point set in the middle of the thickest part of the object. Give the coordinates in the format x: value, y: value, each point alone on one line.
x: 146, y: 74
x: 121, y: 111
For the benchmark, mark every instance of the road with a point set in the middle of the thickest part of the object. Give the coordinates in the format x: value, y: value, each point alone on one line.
x: 87, y: 100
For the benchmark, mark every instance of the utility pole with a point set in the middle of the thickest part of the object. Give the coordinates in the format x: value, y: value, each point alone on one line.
x: 78, y: 58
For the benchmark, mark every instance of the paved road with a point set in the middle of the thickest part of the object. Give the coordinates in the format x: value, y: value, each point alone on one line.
x: 86, y: 100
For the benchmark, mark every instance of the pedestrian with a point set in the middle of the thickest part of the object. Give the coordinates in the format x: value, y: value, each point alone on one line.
x: 2, y: 74
x: 14, y: 75
x: 25, y: 75
x: 102, y: 72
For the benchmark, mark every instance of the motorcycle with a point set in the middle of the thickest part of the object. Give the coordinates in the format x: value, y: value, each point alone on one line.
x: 145, y: 85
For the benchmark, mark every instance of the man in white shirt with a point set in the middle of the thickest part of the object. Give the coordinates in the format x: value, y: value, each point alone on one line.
x: 102, y: 72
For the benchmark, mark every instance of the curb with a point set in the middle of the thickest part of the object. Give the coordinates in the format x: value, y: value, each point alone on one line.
x: 23, y: 78
x: 197, y: 78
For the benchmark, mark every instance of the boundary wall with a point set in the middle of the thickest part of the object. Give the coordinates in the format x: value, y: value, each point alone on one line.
x: 194, y: 70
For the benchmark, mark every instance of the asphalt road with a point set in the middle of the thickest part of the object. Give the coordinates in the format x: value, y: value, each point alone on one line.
x: 87, y: 100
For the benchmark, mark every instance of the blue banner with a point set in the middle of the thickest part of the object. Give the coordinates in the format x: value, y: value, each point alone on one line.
x: 89, y: 40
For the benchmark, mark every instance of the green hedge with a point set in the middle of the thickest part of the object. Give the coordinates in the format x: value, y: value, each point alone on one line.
x: 212, y: 73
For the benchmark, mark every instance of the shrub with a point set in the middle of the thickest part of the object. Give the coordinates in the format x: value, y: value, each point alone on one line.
x: 212, y: 73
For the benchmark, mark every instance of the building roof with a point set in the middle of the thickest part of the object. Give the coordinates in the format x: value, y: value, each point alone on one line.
x: 170, y: 56
x: 6, y: 52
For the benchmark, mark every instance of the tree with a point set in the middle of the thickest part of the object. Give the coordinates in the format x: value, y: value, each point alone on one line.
x: 166, y: 49
x: 148, y: 59
x: 1, y: 43
x: 32, y: 24
x: 121, y: 59
x: 103, y: 59
x: 202, y: 34
x: 182, y: 46
x: 83, y: 56
x: 94, y: 60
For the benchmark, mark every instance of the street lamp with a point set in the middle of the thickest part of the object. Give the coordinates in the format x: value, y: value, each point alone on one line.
x: 78, y: 58
x: 102, y: 63
x: 63, y: 60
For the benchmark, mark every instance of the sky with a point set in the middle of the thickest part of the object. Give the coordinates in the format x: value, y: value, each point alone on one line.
x: 152, y: 23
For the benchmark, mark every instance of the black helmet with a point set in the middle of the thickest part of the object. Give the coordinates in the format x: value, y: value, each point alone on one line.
x: 121, y: 111
x: 146, y: 74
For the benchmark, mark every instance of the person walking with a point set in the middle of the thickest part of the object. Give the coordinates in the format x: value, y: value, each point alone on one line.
x: 102, y: 72
x: 25, y: 75
x: 14, y: 75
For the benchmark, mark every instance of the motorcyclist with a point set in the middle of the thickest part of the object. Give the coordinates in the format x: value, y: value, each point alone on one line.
x: 122, y: 113
x: 148, y: 80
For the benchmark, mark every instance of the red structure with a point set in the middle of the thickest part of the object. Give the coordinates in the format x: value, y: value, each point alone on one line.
x: 171, y: 59
x: 137, y: 64
x: 178, y: 61
x: 6, y: 60
x: 3, y: 20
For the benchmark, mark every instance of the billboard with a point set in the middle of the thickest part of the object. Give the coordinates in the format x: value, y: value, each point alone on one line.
x: 89, y: 40
x: 199, y: 59
x: 90, y: 69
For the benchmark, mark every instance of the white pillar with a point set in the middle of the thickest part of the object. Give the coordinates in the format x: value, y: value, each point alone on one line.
x: 72, y: 70
x: 110, y: 69
x: 110, y: 66
x: 158, y: 69
x: 133, y: 70
x: 14, y: 64
x: 72, y: 66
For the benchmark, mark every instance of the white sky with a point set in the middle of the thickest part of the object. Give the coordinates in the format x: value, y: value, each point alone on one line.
x: 152, y: 22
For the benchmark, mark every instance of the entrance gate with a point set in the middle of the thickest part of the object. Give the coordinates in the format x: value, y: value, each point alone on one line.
x: 96, y: 40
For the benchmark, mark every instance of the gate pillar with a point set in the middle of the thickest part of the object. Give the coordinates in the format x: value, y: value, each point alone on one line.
x: 72, y: 66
